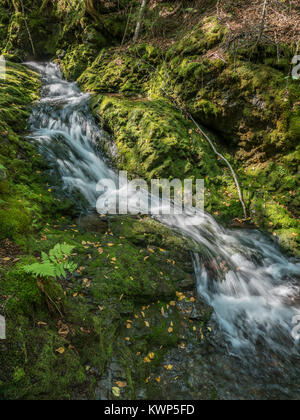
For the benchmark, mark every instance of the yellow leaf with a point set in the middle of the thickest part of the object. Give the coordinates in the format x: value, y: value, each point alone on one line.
x: 121, y: 384
x: 110, y: 245
x: 173, y: 303
x: 147, y: 360
x: 151, y: 355
x: 168, y: 367
x: 170, y: 330
x: 128, y: 326
x: 61, y: 350
x: 147, y: 324
x: 116, y: 391
x: 157, y: 380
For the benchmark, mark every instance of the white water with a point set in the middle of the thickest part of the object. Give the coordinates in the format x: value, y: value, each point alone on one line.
x: 253, y: 288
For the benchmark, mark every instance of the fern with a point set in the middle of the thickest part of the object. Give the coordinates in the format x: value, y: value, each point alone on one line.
x: 55, y: 264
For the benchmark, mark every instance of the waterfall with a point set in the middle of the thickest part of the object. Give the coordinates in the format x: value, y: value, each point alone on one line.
x: 253, y: 288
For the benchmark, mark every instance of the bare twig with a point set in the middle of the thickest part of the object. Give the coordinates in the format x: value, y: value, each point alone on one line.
x: 27, y: 28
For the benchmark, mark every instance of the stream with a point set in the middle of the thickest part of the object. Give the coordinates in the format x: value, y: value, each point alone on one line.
x: 252, y: 286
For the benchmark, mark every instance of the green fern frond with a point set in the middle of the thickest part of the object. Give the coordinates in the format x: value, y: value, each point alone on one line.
x: 41, y: 270
x: 55, y: 264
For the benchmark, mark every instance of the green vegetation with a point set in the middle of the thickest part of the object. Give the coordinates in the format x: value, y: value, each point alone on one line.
x: 124, y: 299
x: 55, y: 264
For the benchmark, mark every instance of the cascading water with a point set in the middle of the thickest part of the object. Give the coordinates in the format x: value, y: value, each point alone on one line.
x: 253, y: 288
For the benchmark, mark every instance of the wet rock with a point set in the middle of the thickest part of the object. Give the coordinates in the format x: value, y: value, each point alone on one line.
x: 93, y: 223
x: 200, y: 311
x: 187, y: 284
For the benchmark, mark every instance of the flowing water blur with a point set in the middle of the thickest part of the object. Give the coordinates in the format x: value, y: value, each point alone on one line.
x: 253, y: 288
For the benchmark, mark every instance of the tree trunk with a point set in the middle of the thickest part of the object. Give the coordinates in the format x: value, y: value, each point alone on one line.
x: 139, y: 22
x: 262, y: 25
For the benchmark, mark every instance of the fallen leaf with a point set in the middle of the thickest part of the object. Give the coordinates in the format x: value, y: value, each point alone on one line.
x: 116, y: 391
x: 121, y: 384
x: 170, y: 330
x: 61, y: 350
x: 64, y: 331
x: 147, y: 324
